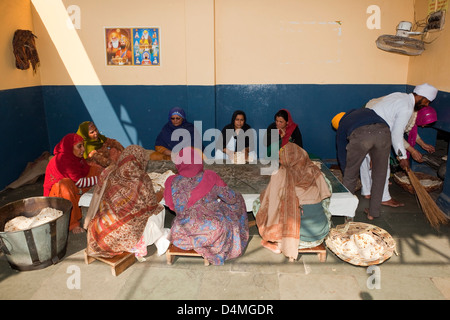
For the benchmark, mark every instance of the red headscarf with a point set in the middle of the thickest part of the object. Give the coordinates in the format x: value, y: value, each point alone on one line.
x: 189, y: 163
x: 65, y: 164
x: 289, y: 129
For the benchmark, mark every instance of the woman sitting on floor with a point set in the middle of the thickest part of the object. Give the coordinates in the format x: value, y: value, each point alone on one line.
x: 125, y: 214
x: 293, y: 210
x: 98, y: 149
x: 164, y: 143
x: 234, y: 139
x: 68, y: 175
x: 210, y: 217
x: 288, y: 131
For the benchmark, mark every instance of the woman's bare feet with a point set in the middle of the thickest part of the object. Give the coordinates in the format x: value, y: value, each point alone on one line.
x: 78, y: 230
x: 271, y: 246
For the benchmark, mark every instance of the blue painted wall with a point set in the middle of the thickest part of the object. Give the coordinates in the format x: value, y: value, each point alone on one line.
x: 24, y: 131
x: 35, y: 119
x: 145, y: 108
x: 142, y: 110
x: 312, y: 107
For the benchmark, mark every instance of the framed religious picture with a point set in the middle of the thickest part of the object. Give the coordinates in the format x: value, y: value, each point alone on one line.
x: 146, y: 46
x: 118, y: 46
x: 132, y: 46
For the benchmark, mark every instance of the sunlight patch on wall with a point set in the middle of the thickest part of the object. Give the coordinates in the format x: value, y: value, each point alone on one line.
x: 54, y: 17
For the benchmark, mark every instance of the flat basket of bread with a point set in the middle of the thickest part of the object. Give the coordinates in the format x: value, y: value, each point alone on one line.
x: 360, y: 244
x: 429, y: 182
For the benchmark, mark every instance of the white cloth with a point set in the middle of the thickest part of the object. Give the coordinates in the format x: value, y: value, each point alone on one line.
x: 155, y: 233
x: 366, y: 179
x: 341, y: 204
x: 231, y: 145
x: 396, y: 109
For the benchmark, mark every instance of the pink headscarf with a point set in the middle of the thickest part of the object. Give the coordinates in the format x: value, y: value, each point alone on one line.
x: 189, y: 163
x: 425, y: 116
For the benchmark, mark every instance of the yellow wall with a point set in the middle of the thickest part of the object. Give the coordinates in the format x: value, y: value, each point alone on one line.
x: 207, y: 42
x: 187, y: 41
x: 14, y: 14
x: 433, y: 65
x: 320, y: 42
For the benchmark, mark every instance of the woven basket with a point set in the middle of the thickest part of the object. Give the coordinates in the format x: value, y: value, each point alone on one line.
x: 342, y: 234
x: 402, y: 179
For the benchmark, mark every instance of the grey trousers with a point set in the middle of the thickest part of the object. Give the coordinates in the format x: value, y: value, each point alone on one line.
x: 375, y: 140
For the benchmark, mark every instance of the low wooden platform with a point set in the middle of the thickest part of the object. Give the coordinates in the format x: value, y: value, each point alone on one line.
x: 175, y: 251
x: 118, y: 263
x: 320, y: 250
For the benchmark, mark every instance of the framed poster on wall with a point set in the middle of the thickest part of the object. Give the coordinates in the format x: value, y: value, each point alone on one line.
x: 136, y: 46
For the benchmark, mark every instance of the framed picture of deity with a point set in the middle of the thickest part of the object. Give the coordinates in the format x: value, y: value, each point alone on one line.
x: 132, y: 46
x: 146, y: 46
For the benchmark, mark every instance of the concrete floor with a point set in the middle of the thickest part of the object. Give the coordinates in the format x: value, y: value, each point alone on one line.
x: 420, y: 271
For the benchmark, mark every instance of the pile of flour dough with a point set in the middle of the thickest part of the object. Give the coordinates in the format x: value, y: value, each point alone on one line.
x: 24, y: 223
x: 158, y: 179
x: 424, y: 182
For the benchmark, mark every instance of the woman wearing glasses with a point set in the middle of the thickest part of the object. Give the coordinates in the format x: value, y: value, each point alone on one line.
x: 164, y: 143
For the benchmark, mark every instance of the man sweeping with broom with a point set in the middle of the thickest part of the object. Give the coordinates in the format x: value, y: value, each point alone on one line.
x: 396, y: 109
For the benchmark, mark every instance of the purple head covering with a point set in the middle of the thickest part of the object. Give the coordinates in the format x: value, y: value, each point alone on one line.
x: 165, y: 136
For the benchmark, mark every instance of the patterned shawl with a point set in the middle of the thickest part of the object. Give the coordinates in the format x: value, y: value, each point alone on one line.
x: 298, y: 181
x: 123, y: 201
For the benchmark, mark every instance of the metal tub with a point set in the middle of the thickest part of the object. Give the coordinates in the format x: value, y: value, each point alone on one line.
x: 40, y: 246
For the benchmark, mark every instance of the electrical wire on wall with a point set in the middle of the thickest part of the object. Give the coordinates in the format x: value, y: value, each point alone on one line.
x: 424, y: 24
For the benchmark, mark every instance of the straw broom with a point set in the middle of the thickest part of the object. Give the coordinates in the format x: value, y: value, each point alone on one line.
x: 434, y: 215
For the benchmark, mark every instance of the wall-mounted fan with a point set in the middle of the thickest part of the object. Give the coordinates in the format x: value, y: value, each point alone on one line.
x: 401, y: 42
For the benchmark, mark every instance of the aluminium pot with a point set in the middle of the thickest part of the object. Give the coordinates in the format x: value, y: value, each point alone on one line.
x: 40, y: 246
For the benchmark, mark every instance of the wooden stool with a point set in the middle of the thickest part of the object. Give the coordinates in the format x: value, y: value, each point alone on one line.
x: 118, y: 263
x: 175, y: 251
x: 320, y: 250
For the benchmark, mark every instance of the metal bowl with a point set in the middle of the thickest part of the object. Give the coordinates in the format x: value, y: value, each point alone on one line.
x: 40, y: 246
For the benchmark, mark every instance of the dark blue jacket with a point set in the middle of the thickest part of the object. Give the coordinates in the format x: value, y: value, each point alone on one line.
x: 352, y: 120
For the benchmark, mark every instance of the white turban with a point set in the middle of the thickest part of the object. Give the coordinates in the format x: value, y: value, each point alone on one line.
x: 426, y: 90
